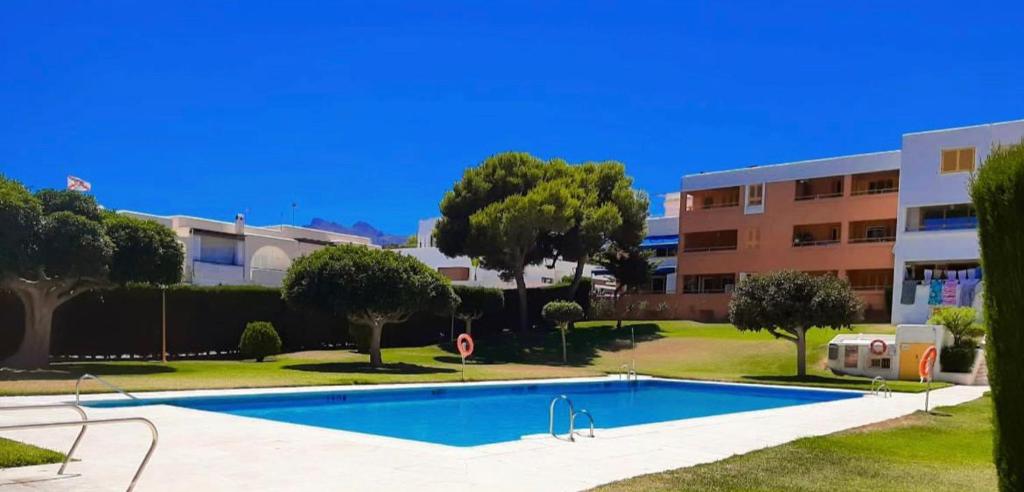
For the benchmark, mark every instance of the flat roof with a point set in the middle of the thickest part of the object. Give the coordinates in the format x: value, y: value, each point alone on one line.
x: 788, y: 171
x: 997, y: 123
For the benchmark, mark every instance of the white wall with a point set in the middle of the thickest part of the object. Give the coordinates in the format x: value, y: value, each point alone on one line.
x: 662, y: 226
x: 922, y: 184
x: 535, y: 275
x: 425, y: 232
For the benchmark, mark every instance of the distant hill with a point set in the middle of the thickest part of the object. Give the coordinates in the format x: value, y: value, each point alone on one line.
x: 360, y: 228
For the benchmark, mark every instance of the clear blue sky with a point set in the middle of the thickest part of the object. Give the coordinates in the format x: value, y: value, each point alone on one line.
x: 371, y: 110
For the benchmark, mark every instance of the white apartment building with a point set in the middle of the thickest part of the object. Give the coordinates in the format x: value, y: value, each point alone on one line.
x: 663, y: 242
x: 233, y: 253
x: 936, y: 235
x: 461, y: 270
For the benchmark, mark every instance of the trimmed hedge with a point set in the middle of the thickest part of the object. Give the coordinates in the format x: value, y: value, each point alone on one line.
x: 210, y: 320
x: 998, y: 194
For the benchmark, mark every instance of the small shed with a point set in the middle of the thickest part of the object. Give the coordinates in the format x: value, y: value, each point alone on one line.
x: 863, y: 354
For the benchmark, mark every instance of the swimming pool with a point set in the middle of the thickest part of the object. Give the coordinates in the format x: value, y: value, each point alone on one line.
x: 472, y: 415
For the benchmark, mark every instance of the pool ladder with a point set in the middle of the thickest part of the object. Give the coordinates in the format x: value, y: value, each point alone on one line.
x: 78, y: 387
x: 880, y: 388
x: 628, y: 372
x: 572, y: 419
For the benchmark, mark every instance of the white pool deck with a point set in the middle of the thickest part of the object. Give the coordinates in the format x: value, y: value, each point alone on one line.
x: 201, y: 451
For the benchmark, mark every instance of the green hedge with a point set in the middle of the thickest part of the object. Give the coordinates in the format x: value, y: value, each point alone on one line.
x: 998, y: 194
x: 205, y: 320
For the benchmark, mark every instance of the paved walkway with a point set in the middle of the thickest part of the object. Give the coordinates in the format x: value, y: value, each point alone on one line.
x: 201, y: 451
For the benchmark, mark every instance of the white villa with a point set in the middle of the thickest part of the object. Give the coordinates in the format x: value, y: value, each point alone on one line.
x: 233, y: 253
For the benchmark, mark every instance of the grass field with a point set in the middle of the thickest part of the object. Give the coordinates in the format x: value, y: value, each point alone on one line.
x: 678, y: 349
x: 948, y: 451
x: 17, y: 454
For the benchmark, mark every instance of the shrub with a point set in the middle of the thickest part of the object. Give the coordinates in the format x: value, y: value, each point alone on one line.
x: 475, y: 302
x: 998, y: 195
x: 259, y: 340
x: 959, y: 322
x: 562, y: 313
x: 958, y: 358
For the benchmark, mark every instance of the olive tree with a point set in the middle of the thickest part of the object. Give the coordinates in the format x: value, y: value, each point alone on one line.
x: 55, y: 245
x: 371, y: 287
x: 787, y: 304
x: 561, y: 313
x: 475, y: 302
x: 500, y: 211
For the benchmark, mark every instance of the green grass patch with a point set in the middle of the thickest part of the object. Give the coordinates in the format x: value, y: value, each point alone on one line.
x: 950, y: 450
x: 674, y: 349
x: 13, y: 453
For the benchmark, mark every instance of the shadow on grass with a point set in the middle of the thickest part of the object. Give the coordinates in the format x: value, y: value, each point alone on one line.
x: 584, y: 345
x: 62, y: 371
x: 364, y: 368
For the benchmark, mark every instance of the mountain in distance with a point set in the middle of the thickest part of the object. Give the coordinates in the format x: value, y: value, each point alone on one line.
x: 360, y: 228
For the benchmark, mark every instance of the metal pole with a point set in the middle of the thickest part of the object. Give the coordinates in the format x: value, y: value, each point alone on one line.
x: 463, y: 369
x: 163, y: 324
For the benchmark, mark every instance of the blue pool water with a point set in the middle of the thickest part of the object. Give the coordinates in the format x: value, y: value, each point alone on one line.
x: 475, y: 415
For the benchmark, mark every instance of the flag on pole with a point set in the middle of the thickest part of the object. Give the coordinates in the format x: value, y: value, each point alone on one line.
x: 78, y: 184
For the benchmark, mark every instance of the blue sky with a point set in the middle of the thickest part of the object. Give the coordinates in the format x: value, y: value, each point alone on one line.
x: 371, y: 110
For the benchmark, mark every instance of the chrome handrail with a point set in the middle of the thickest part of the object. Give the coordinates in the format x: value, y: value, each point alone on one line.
x: 628, y: 371
x: 78, y: 387
x: 78, y: 439
x: 551, y: 415
x: 879, y: 385
x: 572, y: 420
x: 147, y: 422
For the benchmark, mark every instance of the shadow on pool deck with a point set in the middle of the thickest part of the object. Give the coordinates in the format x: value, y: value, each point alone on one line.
x: 364, y: 368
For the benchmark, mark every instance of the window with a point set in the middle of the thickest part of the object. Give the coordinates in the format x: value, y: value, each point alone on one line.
x: 850, y: 357
x: 666, y: 252
x: 885, y: 363
x: 833, y: 351
x: 753, y: 237
x: 547, y: 280
x: 958, y: 160
x: 708, y: 284
x: 454, y: 273
x: 658, y: 284
x: 755, y: 194
x: 876, y: 232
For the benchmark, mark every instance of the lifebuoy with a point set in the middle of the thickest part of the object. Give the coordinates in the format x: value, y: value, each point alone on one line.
x: 876, y: 343
x: 465, y: 345
x: 924, y: 367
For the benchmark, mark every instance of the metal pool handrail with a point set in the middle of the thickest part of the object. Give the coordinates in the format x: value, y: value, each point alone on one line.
x: 78, y: 387
x: 551, y: 415
x: 879, y: 387
x: 572, y: 420
x: 71, y: 423
x: 70, y: 406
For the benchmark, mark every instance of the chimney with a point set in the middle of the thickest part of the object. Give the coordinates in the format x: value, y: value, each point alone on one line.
x: 239, y: 224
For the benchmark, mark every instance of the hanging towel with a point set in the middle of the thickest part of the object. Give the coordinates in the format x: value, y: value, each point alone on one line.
x: 935, y: 292
x: 927, y: 276
x: 971, y: 273
x: 961, y: 274
x: 909, y: 293
x: 967, y: 288
x: 949, y: 292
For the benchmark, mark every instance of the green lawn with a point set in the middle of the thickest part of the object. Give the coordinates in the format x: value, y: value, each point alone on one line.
x: 679, y: 349
x: 948, y: 451
x: 17, y: 454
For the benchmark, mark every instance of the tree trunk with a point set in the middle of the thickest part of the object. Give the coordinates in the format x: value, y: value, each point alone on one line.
x: 34, y: 351
x: 524, y: 316
x: 801, y: 352
x: 376, y: 328
x: 565, y: 358
x: 577, y: 276
x: 615, y: 309
x: 469, y: 326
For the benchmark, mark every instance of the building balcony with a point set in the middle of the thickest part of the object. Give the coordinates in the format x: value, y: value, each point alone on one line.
x: 816, y: 235
x: 819, y: 188
x: 703, y: 242
x: 878, y: 183
x: 208, y: 273
x: 713, y: 199
x: 873, y: 231
x: 942, y: 218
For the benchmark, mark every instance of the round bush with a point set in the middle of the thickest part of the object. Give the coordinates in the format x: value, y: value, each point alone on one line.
x: 560, y: 312
x: 958, y: 358
x: 259, y: 340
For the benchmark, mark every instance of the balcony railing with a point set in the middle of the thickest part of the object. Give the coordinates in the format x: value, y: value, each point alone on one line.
x: 720, y: 205
x: 876, y: 191
x: 705, y: 249
x: 952, y: 223
x: 821, y: 242
x: 881, y: 239
x: 871, y: 287
x: 818, y: 196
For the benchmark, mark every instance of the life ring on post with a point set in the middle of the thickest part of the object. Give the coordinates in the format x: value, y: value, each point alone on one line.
x: 878, y: 346
x: 465, y: 345
x: 924, y: 367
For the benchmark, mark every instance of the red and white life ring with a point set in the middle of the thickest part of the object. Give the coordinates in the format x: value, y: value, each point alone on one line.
x: 924, y: 367
x: 465, y: 345
x: 878, y: 346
